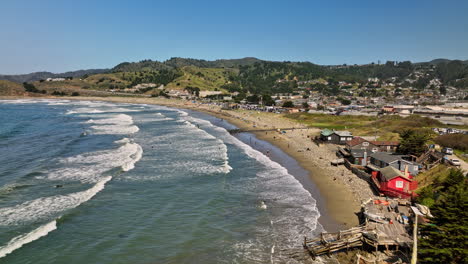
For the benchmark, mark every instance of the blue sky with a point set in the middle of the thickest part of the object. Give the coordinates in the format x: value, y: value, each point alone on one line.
x: 67, y: 35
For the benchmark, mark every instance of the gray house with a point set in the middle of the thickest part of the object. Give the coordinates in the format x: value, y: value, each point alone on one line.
x: 380, y: 160
x: 335, y: 137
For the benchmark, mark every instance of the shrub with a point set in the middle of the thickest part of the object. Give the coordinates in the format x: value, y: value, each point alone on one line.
x: 456, y: 141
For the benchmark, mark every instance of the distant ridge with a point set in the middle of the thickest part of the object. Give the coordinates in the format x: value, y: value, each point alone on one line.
x: 177, y: 62
x: 36, y: 76
x: 441, y: 60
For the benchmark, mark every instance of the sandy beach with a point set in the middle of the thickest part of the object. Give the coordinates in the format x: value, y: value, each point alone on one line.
x: 341, y: 191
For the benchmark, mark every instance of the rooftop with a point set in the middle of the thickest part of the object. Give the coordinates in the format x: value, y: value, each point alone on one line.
x: 390, y: 172
x: 387, y: 157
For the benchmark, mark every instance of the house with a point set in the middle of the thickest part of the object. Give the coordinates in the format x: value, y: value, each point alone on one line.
x: 386, y: 146
x: 335, y: 137
x: 359, y: 156
x: 394, y: 183
x: 381, y: 160
x: 361, y: 143
x: 372, y: 146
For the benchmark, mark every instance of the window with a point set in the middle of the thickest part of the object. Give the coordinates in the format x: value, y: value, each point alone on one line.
x: 399, y: 184
x: 365, y: 144
x: 329, y: 138
x: 416, y: 168
x: 350, y: 138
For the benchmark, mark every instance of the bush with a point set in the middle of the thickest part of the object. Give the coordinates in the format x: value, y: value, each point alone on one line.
x: 29, y: 87
x: 75, y: 94
x: 288, y: 104
x: 57, y: 93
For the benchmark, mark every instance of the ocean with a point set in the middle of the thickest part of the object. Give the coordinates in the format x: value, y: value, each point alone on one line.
x: 99, y: 182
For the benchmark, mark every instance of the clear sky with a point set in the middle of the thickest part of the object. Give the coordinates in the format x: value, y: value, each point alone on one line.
x: 68, y: 35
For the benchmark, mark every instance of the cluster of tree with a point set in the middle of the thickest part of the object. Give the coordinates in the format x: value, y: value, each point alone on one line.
x: 445, y: 238
x: 450, y: 71
x: 29, y: 87
x: 59, y: 93
x: 159, y: 77
x: 413, y: 141
x: 193, y: 90
x: 257, y: 76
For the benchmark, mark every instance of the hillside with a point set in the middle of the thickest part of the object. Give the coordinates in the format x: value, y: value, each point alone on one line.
x: 36, y: 76
x: 176, y: 62
x: 263, y: 77
x: 203, y: 78
x: 8, y: 88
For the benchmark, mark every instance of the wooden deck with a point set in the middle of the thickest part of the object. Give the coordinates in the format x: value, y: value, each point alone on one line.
x: 387, y: 233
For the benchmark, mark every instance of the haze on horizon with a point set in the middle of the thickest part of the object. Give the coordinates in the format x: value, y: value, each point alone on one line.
x: 60, y: 36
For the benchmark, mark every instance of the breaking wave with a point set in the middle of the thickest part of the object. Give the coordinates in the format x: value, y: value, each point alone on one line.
x: 21, y: 240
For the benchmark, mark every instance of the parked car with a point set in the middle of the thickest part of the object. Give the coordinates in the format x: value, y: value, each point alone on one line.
x: 447, y: 151
x: 455, y: 162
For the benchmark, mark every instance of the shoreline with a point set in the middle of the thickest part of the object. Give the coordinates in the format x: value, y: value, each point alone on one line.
x: 338, y: 200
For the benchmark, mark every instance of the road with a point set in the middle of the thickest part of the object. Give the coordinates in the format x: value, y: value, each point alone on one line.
x: 463, y: 166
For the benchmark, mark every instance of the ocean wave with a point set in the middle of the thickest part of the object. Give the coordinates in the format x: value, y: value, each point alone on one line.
x: 45, y: 207
x: 84, y: 111
x: 298, y: 215
x: 120, y: 119
x: 89, y: 167
x: 21, y: 240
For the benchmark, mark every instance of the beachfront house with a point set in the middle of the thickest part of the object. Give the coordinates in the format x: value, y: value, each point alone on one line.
x: 361, y: 143
x: 372, y: 146
x: 359, y: 156
x: 335, y: 137
x: 394, y: 183
x: 381, y: 160
x: 386, y: 146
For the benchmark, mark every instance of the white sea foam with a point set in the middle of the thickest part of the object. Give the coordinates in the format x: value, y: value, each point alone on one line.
x: 115, y: 129
x: 120, y: 124
x: 121, y: 119
x: 21, y: 240
x: 123, y: 141
x: 89, y: 167
x: 84, y: 111
x: 44, y: 207
x: 298, y: 216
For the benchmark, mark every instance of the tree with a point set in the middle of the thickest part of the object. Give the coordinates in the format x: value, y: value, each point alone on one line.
x: 305, y: 105
x: 253, y: 99
x: 443, y: 90
x: 267, y: 100
x: 288, y: 104
x: 29, y: 87
x: 444, y: 239
x: 413, y: 141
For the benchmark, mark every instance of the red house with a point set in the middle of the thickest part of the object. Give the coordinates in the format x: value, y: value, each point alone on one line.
x: 394, y: 183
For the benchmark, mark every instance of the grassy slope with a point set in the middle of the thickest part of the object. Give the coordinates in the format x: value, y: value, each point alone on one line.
x: 438, y: 173
x: 203, y: 78
x: 385, y: 128
x: 8, y: 88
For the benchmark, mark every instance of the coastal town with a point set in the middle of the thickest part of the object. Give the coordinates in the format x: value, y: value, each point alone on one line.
x: 352, y: 144
x: 372, y: 187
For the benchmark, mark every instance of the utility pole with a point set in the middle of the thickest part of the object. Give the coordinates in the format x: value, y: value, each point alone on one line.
x: 414, y: 257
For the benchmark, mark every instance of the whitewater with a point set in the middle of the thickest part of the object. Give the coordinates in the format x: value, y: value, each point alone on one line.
x: 98, y: 182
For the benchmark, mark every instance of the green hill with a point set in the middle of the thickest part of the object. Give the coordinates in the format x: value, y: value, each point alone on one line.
x: 204, y: 78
